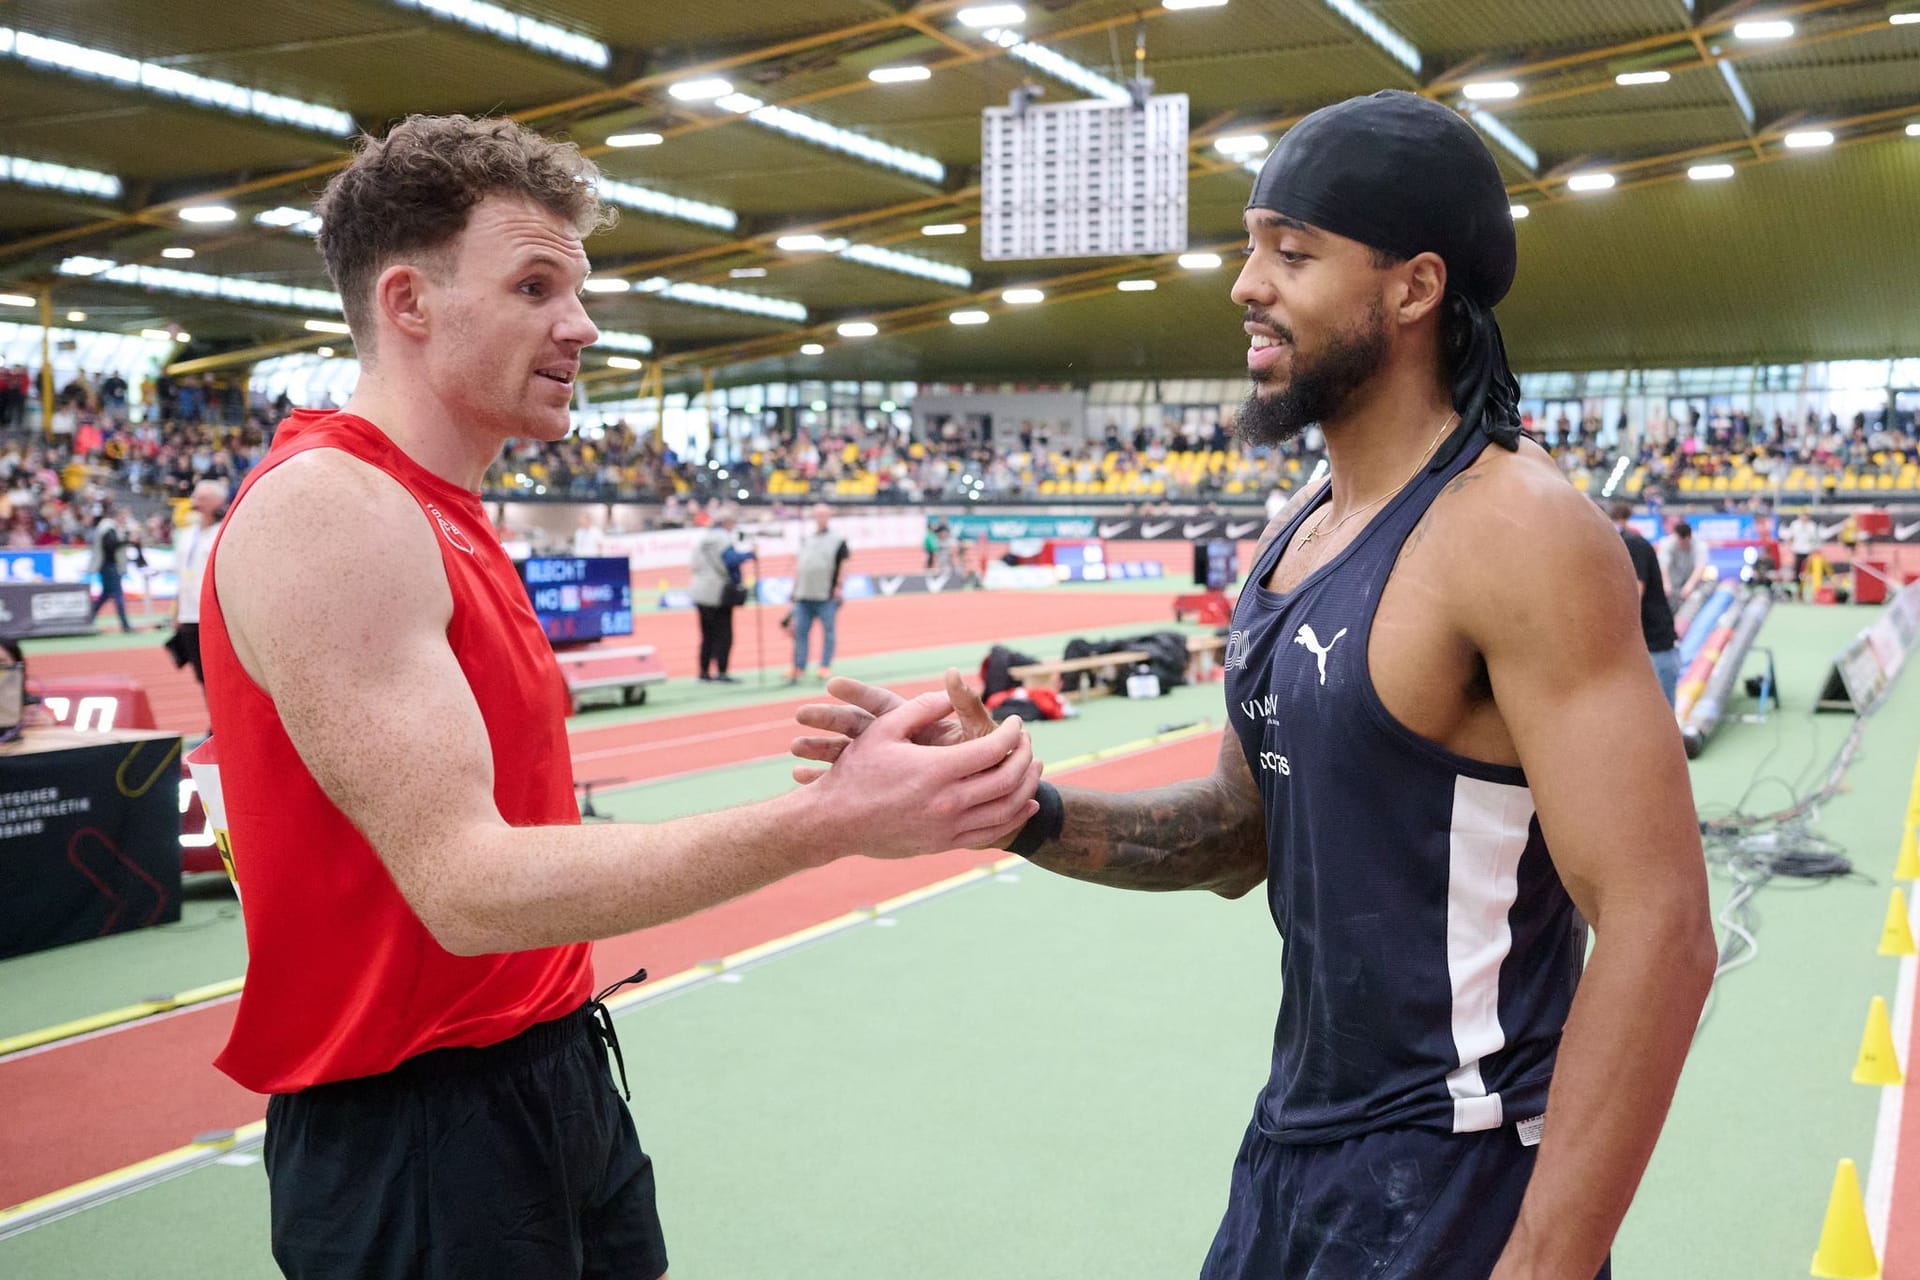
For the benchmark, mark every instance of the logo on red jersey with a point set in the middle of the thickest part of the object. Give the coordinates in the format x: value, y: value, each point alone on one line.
x: 450, y: 530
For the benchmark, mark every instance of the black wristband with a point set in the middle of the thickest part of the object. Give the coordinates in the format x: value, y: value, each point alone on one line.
x: 1042, y: 826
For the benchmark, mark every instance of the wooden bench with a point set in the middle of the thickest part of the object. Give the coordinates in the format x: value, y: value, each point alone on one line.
x: 1067, y: 666
x: 593, y: 673
x: 1203, y: 652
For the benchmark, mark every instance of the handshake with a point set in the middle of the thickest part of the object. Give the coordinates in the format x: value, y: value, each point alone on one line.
x: 908, y: 776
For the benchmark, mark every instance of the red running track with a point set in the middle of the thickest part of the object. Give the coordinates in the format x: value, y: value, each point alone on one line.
x: 866, y: 628
x: 103, y: 1103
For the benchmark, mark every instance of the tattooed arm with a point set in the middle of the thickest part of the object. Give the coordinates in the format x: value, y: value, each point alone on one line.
x: 1205, y: 833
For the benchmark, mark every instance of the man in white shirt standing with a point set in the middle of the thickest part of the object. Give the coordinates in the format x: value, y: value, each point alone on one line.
x: 1803, y: 539
x: 191, y: 547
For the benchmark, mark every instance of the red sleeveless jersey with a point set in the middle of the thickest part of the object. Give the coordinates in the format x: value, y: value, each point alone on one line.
x: 343, y: 980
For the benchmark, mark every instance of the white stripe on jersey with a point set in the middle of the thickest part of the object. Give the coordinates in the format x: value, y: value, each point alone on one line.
x: 1487, y: 837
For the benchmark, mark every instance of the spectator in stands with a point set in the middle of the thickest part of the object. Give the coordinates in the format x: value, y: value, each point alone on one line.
x: 1679, y: 562
x: 190, y: 550
x: 717, y: 592
x: 816, y: 592
x: 1803, y: 540
x: 109, y: 562
x: 1656, y: 616
x: 14, y: 386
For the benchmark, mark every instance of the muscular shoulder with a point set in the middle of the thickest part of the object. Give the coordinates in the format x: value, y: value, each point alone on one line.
x: 1522, y: 552
x: 325, y: 549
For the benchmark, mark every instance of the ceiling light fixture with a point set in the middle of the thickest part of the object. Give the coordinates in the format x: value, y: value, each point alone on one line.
x: 1023, y: 297
x: 747, y: 273
x: 700, y: 90
x: 992, y: 15
x: 1175, y: 6
x: 622, y: 362
x: 163, y: 335
x: 177, y: 252
x: 207, y: 213
x: 1200, y: 261
x: 1804, y: 139
x: 171, y: 82
x: 944, y: 229
x: 907, y: 264
x: 327, y: 326
x: 1519, y: 211
x: 1643, y: 77
x: 1590, y: 182
x: 58, y: 177
x: 635, y: 140
x: 481, y: 15
x: 287, y: 218
x: 1904, y: 19
x: 200, y: 284
x: 1138, y: 286
x: 17, y: 300
x: 1710, y: 172
x: 625, y: 342
x: 633, y: 196
x: 1484, y: 90
x: 607, y: 284
x: 808, y: 244
x: 857, y: 329
x: 812, y: 349
x: 76, y: 317
x: 325, y: 353
x: 968, y: 317
x: 899, y: 75
x: 1763, y: 31
x: 1240, y: 144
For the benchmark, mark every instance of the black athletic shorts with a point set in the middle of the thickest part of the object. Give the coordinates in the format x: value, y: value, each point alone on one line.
x: 1393, y: 1204
x: 517, y: 1160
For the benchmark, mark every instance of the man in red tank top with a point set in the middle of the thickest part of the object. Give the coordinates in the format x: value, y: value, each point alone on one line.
x: 390, y: 775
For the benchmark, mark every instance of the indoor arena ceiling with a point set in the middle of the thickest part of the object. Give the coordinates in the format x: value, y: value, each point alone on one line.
x: 115, y: 115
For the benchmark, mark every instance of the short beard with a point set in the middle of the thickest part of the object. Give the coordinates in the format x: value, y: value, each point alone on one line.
x: 1317, y: 391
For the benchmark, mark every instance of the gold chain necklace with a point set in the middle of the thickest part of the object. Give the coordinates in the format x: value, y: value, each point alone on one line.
x: 1428, y: 452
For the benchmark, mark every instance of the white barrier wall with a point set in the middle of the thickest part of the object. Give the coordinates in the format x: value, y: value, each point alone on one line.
x: 665, y: 548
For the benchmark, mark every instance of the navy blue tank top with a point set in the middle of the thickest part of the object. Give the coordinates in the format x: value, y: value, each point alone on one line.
x: 1429, y: 951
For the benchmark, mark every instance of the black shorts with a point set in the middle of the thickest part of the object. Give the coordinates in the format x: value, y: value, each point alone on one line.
x: 1394, y: 1204
x: 517, y: 1160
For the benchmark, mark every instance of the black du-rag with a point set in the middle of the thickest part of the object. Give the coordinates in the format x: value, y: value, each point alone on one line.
x: 1406, y: 175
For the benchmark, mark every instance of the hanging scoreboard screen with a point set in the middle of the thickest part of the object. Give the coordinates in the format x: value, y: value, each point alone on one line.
x: 1084, y: 179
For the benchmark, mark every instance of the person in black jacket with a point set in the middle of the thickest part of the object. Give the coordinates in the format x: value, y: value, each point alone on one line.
x: 1656, y: 615
x: 109, y: 550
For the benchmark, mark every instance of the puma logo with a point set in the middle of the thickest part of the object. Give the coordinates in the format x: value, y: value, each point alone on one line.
x: 1311, y: 642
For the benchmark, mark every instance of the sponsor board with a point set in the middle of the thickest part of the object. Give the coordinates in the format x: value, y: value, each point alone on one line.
x: 1012, y: 528
x: 45, y: 609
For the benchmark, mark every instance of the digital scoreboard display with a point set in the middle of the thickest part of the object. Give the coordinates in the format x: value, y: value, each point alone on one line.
x: 580, y: 598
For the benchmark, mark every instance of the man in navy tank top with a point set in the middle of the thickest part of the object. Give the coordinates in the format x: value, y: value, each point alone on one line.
x: 1448, y: 756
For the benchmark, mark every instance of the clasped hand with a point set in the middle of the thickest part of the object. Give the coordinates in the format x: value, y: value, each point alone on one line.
x: 919, y: 774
